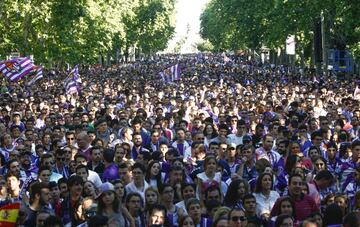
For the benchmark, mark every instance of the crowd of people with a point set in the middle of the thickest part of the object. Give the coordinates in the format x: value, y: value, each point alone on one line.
x: 235, y: 143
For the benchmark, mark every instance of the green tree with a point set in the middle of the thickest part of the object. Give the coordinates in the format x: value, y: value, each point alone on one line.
x: 236, y: 24
x: 73, y: 31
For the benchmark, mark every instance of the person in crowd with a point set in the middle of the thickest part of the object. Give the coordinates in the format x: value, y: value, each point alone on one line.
x: 223, y: 133
x: 186, y: 221
x: 343, y: 202
x: 284, y: 220
x: 264, y: 195
x: 210, y: 132
x: 72, y: 202
x: 80, y: 160
x: 96, y: 161
x: 154, y: 176
x: 55, y: 199
x: 250, y: 208
x: 110, y: 170
x: 210, y: 176
x: 60, y: 163
x: 333, y: 215
x: 188, y: 191
x: 180, y: 143
x: 351, y: 219
x: 304, y: 204
x: 152, y: 197
x: 157, y: 216
x: 90, y: 189
x: 237, y: 217
x: 134, y: 204
x: 173, y: 212
x: 235, y: 193
x: 109, y: 206
x: 267, y: 152
x: 138, y: 184
x: 247, y: 168
x: 286, y: 207
x: 39, y: 200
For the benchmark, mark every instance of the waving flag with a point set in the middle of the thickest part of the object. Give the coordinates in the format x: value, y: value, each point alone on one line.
x: 72, y: 82
x: 9, y: 215
x: 16, y: 68
x: 171, y: 74
x: 38, y: 75
x: 74, y: 72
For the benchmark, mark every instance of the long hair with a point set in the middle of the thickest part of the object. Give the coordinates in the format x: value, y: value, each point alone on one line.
x: 148, y: 173
x: 214, y: 133
x: 258, y: 187
x: 277, y: 210
x: 95, y: 188
x: 151, y: 189
x: 290, y: 163
x: 115, y: 204
x: 232, y: 192
x: 207, y: 160
x: 281, y: 218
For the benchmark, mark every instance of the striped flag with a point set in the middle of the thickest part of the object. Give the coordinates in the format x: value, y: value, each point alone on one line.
x: 171, y: 74
x: 9, y: 214
x: 72, y: 82
x: 38, y: 75
x: 72, y: 87
x: 74, y: 72
x: 16, y: 68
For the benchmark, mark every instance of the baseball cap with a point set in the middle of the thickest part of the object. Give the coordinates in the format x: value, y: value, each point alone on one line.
x: 107, y: 186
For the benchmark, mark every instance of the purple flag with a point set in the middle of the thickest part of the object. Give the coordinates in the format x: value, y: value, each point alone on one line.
x: 38, y: 75
x: 72, y: 82
x: 16, y: 68
x: 171, y: 74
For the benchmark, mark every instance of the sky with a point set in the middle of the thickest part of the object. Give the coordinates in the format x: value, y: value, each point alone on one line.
x: 187, y: 15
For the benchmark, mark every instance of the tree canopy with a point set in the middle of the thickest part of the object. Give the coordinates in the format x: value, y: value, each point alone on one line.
x: 239, y: 24
x: 76, y: 31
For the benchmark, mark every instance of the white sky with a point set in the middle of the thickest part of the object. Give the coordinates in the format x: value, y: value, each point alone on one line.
x: 187, y: 13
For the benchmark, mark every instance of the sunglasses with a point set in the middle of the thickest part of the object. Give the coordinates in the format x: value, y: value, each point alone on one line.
x: 61, y: 159
x: 68, y: 138
x: 237, y: 218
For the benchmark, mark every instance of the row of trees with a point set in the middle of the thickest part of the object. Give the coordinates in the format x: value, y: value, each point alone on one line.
x: 74, y: 31
x: 243, y: 24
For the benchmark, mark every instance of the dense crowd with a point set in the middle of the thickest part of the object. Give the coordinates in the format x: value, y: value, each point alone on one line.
x: 235, y: 143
